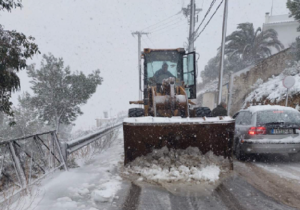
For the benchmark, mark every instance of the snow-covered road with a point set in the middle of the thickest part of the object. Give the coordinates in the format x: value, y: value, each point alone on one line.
x: 96, y: 184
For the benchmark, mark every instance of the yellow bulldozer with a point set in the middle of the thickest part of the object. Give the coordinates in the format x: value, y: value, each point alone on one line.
x: 169, y: 116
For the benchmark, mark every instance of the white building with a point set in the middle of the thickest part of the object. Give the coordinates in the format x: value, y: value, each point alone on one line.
x: 285, y: 26
x: 105, y: 120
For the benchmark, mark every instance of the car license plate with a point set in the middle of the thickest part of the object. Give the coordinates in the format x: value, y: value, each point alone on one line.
x: 282, y: 131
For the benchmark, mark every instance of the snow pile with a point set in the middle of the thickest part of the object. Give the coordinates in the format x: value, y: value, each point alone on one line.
x: 178, y: 166
x: 65, y: 203
x: 273, y: 89
x: 106, y: 192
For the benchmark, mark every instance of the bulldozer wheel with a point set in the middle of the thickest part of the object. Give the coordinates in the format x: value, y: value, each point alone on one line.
x: 239, y: 154
x: 202, y: 112
x: 136, y: 112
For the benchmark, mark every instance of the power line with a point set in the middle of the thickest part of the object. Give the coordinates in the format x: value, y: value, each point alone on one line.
x: 210, y: 7
x: 209, y: 20
x: 167, y: 26
x: 151, y: 41
x: 167, y: 23
x: 164, y: 31
x: 148, y: 45
x: 162, y: 20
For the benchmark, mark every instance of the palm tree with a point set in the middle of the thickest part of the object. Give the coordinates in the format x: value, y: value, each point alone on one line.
x: 252, y: 45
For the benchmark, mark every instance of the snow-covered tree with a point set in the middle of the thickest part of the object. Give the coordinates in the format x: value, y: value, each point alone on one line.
x: 59, y: 93
x: 15, y: 49
x: 26, y: 121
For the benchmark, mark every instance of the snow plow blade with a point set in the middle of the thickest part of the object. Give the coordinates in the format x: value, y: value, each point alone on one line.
x: 143, y: 135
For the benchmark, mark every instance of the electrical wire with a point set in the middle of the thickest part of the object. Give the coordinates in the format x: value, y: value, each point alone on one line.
x: 151, y: 41
x: 162, y: 29
x: 161, y: 21
x: 170, y: 29
x: 147, y: 44
x: 207, y: 12
x: 209, y: 20
x: 166, y: 24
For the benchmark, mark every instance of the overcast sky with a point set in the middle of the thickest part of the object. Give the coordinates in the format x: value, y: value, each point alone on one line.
x: 96, y: 34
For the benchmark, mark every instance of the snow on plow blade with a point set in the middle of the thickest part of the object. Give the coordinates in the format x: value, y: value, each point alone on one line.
x: 142, y: 135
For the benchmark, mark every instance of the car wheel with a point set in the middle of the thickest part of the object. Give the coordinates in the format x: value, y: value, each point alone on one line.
x: 239, y: 154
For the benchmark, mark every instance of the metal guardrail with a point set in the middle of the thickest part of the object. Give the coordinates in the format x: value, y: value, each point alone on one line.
x: 74, y: 145
x: 43, y: 153
x: 24, y: 161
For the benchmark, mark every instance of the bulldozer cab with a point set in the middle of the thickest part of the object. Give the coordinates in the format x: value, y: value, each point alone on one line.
x: 163, y: 64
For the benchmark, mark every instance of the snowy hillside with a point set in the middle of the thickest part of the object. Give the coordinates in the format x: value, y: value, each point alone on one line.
x: 273, y: 89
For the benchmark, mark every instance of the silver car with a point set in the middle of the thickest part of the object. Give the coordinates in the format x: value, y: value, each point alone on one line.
x: 266, y: 129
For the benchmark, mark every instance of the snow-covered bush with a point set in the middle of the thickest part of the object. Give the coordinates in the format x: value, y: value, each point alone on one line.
x: 293, y: 70
x: 273, y: 90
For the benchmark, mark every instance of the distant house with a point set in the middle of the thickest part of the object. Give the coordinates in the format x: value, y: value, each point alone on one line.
x: 208, y: 94
x: 285, y: 26
x: 105, y: 120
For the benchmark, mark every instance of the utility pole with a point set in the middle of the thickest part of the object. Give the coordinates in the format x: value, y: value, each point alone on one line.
x: 223, y: 50
x: 192, y: 26
x: 191, y: 12
x: 139, y: 35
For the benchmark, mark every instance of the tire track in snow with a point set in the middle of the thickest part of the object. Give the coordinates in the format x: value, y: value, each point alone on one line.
x: 132, y: 200
x: 154, y: 198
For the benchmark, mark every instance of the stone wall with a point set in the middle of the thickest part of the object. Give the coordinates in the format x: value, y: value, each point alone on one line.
x: 242, y: 84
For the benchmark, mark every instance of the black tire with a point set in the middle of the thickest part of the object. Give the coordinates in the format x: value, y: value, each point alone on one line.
x: 136, y: 112
x: 294, y: 157
x: 239, y: 154
x: 202, y: 112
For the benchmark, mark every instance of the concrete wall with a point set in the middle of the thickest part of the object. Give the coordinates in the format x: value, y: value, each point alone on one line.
x: 242, y: 83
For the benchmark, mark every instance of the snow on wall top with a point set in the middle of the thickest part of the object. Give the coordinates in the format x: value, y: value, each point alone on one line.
x: 178, y: 120
x: 258, y: 108
x: 212, y: 86
x: 243, y: 71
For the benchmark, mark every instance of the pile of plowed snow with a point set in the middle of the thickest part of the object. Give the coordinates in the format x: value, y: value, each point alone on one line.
x: 188, y: 165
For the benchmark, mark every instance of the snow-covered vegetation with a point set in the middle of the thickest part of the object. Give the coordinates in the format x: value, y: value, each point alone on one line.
x: 273, y: 89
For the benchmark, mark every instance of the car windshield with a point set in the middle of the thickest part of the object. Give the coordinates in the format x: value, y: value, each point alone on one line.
x: 278, y: 116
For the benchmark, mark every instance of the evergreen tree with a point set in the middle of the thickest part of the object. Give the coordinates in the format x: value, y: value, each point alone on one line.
x: 15, y: 49
x: 25, y: 118
x: 58, y: 93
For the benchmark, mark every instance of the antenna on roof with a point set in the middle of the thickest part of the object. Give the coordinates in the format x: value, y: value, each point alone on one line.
x: 272, y: 8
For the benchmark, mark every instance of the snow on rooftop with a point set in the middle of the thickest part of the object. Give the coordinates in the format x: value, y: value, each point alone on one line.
x: 279, y: 19
x: 268, y: 107
x: 171, y: 120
